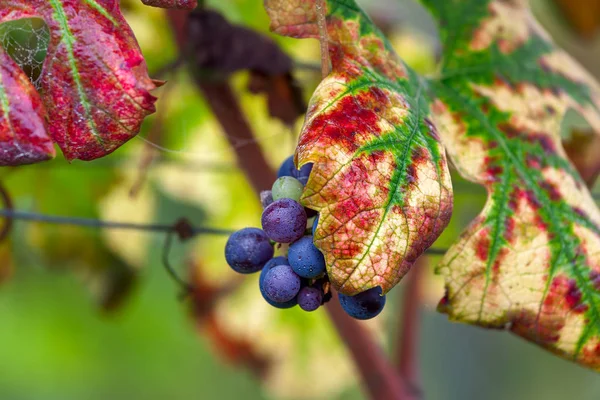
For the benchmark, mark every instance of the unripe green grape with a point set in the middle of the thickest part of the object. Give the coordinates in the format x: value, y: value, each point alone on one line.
x: 288, y: 188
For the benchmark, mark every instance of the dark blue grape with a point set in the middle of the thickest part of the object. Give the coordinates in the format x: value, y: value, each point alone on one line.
x: 305, y: 259
x: 287, y: 168
x: 314, y: 228
x: 303, y: 173
x: 284, y: 221
x: 268, y: 266
x: 365, y: 305
x: 248, y: 250
x: 281, y: 283
x: 273, y: 262
x: 309, y: 298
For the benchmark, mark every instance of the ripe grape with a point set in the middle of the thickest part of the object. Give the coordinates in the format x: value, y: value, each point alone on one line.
x: 365, y: 305
x: 248, y: 250
x: 287, y: 168
x: 305, y: 259
x: 303, y: 173
x: 273, y: 262
x: 284, y: 221
x: 310, y: 298
x: 281, y: 284
x: 266, y: 198
x: 287, y: 187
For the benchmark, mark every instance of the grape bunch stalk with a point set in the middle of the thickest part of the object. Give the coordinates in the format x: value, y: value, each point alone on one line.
x: 298, y: 276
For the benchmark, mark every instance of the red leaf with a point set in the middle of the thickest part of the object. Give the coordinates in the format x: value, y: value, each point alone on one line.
x: 94, y: 84
x: 23, y: 138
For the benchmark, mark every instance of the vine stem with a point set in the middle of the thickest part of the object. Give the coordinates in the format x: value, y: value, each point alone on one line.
x: 378, y: 374
x: 321, y: 9
x: 407, y: 346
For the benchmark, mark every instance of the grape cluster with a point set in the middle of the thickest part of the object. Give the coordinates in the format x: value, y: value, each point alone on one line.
x: 301, y: 277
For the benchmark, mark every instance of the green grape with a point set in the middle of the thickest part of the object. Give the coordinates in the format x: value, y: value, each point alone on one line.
x: 288, y: 188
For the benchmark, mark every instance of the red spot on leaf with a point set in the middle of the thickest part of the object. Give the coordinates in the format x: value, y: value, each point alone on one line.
x: 482, y: 245
x: 595, y: 279
x: 551, y: 189
x: 346, y: 119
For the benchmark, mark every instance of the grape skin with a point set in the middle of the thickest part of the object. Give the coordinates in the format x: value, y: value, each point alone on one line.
x: 305, y: 259
x: 310, y: 298
x: 281, y: 283
x: 275, y: 261
x: 287, y: 187
x: 284, y: 221
x: 287, y: 168
x: 247, y: 250
x: 365, y: 305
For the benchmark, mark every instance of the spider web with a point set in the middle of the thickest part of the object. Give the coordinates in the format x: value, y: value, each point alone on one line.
x: 26, y: 41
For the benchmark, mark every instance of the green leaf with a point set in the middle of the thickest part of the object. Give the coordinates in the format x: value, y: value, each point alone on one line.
x: 380, y: 180
x: 530, y: 262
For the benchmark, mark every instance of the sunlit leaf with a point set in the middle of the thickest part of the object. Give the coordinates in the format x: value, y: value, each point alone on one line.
x: 380, y: 180
x: 94, y: 83
x: 530, y: 262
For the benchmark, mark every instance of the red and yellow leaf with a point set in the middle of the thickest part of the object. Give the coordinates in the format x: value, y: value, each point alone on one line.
x: 530, y: 262
x: 23, y: 137
x: 94, y: 84
x: 380, y: 180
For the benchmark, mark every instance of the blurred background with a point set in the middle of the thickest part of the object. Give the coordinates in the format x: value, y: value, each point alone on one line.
x: 92, y: 314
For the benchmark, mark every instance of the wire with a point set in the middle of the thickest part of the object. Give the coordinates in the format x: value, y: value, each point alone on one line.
x: 96, y: 223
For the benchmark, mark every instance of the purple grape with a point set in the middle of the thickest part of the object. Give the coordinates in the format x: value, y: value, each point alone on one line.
x: 248, y: 250
x: 284, y: 221
x: 303, y: 173
x: 273, y: 262
x: 266, y: 198
x: 365, y: 305
x: 305, y: 259
x: 287, y: 168
x: 309, y: 298
x: 281, y: 284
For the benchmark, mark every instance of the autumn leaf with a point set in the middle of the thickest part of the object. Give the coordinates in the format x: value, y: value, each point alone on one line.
x: 94, y: 84
x: 380, y: 180
x: 530, y: 262
x: 23, y: 137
